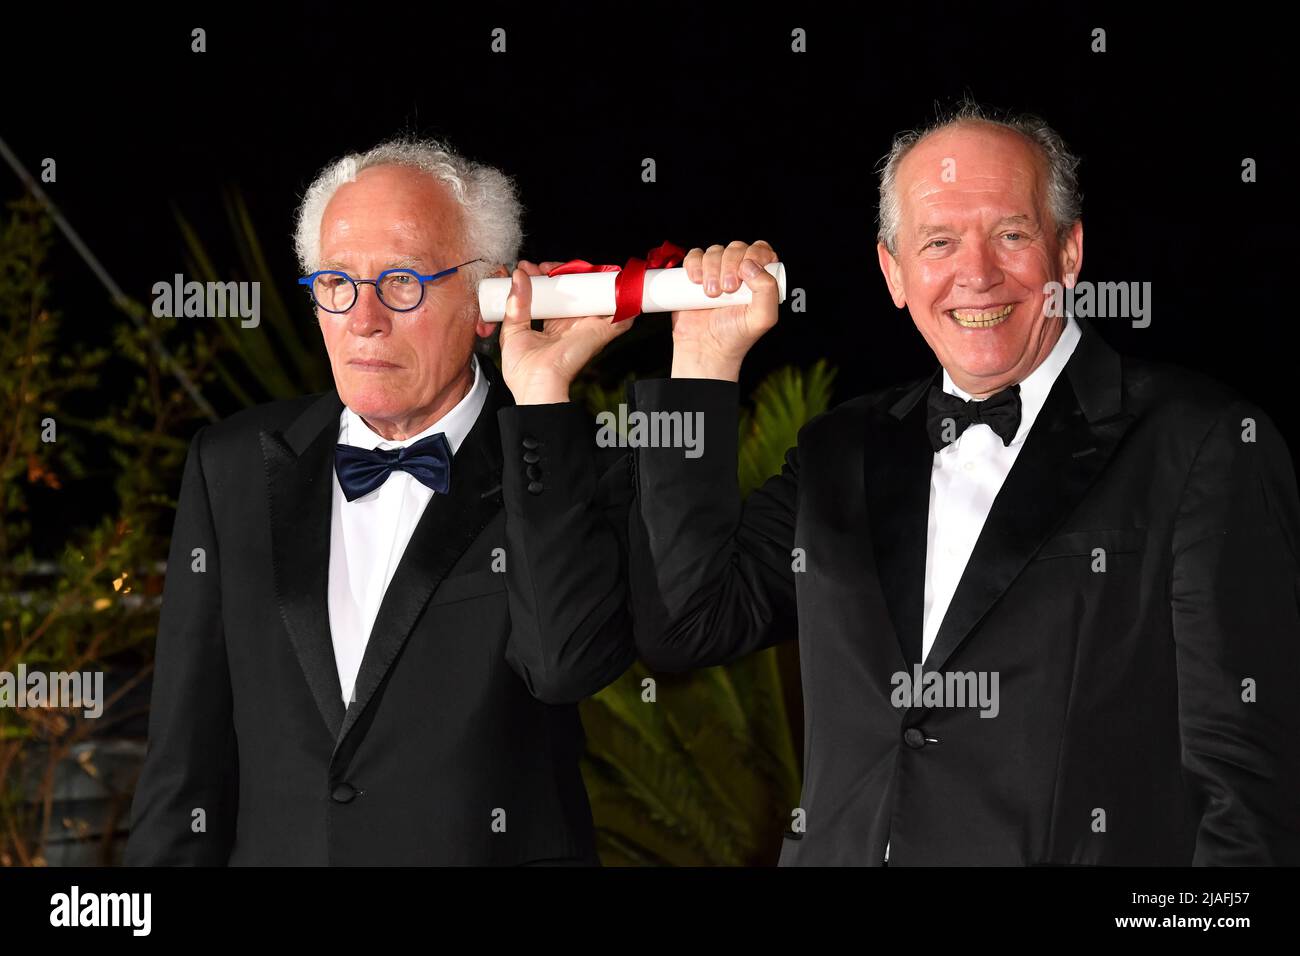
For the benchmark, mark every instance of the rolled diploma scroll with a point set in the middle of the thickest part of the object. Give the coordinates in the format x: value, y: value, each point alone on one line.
x: 592, y: 293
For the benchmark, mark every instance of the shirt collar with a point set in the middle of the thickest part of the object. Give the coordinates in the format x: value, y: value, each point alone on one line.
x: 455, y: 425
x: 1036, y: 385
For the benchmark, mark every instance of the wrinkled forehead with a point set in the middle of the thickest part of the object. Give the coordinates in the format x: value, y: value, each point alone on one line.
x: 391, y: 212
x: 972, y: 169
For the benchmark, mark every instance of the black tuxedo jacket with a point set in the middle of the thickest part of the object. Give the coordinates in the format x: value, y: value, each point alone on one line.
x: 462, y: 746
x: 1149, y: 712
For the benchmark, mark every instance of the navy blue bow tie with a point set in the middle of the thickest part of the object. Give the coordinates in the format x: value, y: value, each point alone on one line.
x: 362, y: 470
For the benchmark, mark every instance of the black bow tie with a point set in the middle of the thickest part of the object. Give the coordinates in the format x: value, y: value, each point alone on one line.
x: 362, y: 470
x: 948, y: 416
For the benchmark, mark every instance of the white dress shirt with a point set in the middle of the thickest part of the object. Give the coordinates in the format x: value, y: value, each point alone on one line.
x: 369, y: 534
x: 966, y: 477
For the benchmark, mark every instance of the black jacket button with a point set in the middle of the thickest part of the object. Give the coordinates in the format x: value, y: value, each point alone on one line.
x: 343, y: 793
x: 534, y: 487
x: 530, y: 442
x: 532, y: 457
x: 914, y: 738
x: 533, y: 472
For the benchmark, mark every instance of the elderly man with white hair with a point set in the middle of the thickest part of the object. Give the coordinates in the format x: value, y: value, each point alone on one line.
x: 356, y: 664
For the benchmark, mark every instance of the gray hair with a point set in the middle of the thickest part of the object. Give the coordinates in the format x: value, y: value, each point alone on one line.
x: 490, y: 208
x: 1064, y: 201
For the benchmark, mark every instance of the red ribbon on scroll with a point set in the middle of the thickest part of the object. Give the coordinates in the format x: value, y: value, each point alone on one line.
x: 630, y: 281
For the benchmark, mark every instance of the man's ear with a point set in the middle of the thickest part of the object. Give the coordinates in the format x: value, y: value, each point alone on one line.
x: 483, y: 329
x: 1072, y: 255
x: 893, y: 275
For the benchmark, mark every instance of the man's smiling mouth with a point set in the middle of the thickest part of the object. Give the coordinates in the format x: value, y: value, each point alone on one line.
x: 980, y: 318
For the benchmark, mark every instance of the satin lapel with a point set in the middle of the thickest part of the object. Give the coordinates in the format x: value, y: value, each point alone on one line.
x: 1073, y: 438
x: 300, y: 481
x: 448, y: 526
x: 897, y: 466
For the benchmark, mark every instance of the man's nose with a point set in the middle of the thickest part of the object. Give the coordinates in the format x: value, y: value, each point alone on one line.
x: 977, y: 266
x: 368, y: 315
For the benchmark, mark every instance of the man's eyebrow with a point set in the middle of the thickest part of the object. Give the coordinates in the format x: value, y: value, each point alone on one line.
x: 1018, y: 219
x: 400, y: 262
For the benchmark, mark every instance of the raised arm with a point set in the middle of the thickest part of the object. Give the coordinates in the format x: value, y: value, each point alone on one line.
x: 566, y: 510
x: 566, y: 574
x: 711, y: 580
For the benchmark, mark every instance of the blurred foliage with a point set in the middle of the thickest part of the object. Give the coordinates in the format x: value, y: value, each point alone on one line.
x: 708, y: 775
x: 93, y: 605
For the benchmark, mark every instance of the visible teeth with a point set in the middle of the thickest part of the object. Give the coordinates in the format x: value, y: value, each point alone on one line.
x: 980, y: 318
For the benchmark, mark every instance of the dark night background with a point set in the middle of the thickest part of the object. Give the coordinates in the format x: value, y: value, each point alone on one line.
x: 751, y: 140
